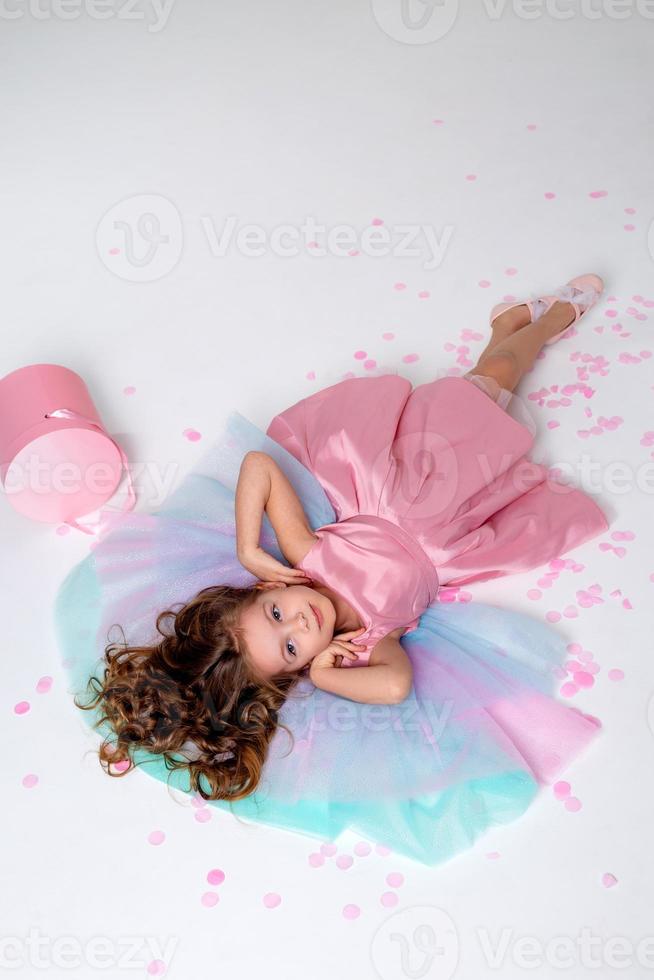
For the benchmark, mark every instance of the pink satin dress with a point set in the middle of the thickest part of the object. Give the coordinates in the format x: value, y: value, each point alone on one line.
x: 431, y: 486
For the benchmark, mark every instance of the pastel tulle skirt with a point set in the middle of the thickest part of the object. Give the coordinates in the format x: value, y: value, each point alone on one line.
x: 480, y: 733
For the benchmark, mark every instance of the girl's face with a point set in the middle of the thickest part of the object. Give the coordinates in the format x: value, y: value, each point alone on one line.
x: 281, y: 628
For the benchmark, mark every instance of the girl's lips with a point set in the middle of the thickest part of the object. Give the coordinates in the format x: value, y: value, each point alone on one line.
x: 316, y: 613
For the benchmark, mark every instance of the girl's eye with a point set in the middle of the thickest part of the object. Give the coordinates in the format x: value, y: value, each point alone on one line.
x: 289, y: 645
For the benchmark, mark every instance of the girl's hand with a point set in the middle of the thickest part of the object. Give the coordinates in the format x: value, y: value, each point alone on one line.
x: 340, y: 646
x: 268, y: 569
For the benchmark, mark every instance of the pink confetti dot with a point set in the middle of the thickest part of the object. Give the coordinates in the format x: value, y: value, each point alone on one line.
x: 394, y: 879
x: 583, y: 679
x: 271, y: 900
x: 534, y: 594
x: 362, y: 849
x: 344, y: 861
x: 120, y: 766
x: 351, y: 912
x: 552, y: 616
x: 311, y: 375
x: 424, y: 294
x: 192, y: 435
x: 30, y: 780
x: 615, y: 674
x: 328, y: 849
x: 389, y: 899
x: 531, y: 126
x: 574, y: 648
x: 22, y: 707
x: 629, y: 227
x: 438, y: 122
x: 549, y: 195
x: 360, y: 355
x: 316, y: 860
x: 382, y: 850
x: 399, y: 286
x: 370, y: 365
x: 484, y: 283
x: 561, y: 789
x: 609, y: 880
x: 216, y: 876
x: 471, y: 176
x: 209, y: 899
x: 572, y: 804
x: 597, y: 194
x: 493, y: 855
x: 569, y: 690
x: 630, y: 211
x: 129, y: 390
x: 203, y: 815
x: 156, y: 968
x: 43, y: 684
x: 410, y: 358
x: 377, y: 221
x: 388, y: 336
x: 156, y: 837
x: 510, y: 271
x: 63, y: 529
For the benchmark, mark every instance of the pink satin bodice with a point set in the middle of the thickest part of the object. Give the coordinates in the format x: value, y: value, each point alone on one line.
x: 379, y: 569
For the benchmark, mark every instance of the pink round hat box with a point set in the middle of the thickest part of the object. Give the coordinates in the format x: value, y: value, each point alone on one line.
x: 48, y: 421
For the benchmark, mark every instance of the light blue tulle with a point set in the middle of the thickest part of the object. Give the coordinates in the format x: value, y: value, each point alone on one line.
x: 393, y: 781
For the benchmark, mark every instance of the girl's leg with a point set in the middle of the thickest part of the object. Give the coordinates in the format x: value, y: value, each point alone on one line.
x: 506, y: 324
x: 509, y: 358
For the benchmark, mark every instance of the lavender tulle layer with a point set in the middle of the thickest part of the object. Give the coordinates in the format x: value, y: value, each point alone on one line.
x: 481, y: 731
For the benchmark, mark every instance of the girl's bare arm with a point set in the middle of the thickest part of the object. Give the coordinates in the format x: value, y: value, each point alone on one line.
x: 263, y: 486
x: 386, y: 679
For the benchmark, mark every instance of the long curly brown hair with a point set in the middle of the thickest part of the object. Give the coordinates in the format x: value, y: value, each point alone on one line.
x: 198, y: 685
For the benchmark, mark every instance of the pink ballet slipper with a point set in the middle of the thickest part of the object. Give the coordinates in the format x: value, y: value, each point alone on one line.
x: 582, y: 292
x: 535, y: 310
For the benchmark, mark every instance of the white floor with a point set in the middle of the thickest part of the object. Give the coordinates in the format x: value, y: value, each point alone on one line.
x: 341, y: 114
